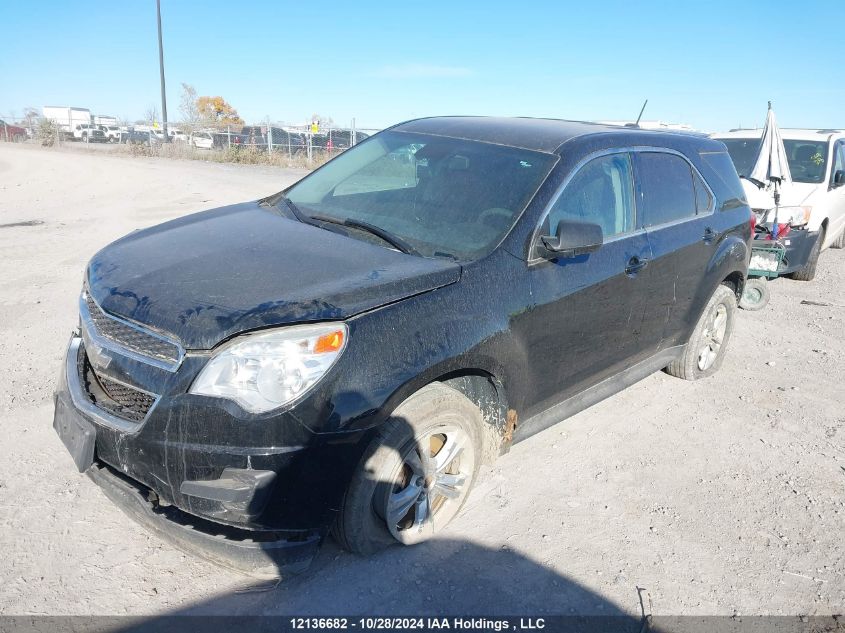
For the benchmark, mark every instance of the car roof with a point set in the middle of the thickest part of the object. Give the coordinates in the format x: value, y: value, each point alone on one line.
x: 542, y: 135
x: 794, y: 134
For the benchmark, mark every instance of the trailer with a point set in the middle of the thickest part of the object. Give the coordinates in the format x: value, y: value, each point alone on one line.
x: 67, y: 118
x: 104, y: 119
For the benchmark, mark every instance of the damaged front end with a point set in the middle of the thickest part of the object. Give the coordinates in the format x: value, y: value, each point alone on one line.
x: 235, y: 488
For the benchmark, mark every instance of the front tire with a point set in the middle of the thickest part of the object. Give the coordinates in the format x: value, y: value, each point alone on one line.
x: 415, y: 475
x: 840, y: 241
x: 808, y: 271
x: 705, y: 350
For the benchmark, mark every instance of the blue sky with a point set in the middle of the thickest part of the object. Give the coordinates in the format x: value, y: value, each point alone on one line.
x: 383, y: 62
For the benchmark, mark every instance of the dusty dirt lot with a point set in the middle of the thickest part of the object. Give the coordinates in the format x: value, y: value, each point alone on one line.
x: 718, y: 497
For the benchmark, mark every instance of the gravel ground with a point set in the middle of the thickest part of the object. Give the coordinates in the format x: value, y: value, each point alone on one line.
x: 717, y: 497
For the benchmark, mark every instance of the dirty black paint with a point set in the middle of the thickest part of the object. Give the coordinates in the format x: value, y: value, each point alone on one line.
x: 539, y: 331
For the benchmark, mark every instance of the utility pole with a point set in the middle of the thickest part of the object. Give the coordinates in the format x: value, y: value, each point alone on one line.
x: 161, y: 71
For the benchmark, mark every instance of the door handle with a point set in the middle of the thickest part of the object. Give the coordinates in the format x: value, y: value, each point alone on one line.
x: 635, y: 265
x: 709, y: 235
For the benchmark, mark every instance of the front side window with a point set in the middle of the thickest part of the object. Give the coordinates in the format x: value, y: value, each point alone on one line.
x: 445, y: 197
x: 667, y: 193
x: 599, y: 193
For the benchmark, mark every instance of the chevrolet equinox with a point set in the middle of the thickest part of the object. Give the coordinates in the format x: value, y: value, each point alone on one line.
x: 345, y: 354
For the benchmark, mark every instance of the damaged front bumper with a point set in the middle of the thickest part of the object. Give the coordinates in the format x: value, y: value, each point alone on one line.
x: 203, y: 479
x: 262, y: 554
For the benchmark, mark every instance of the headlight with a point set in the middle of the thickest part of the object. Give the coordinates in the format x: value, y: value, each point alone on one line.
x: 266, y: 370
x: 794, y: 216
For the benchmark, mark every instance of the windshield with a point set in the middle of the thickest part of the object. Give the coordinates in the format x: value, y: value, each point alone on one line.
x: 807, y: 159
x: 442, y: 196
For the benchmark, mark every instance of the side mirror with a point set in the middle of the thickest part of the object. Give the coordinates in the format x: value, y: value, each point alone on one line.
x: 570, y: 240
x: 838, y: 178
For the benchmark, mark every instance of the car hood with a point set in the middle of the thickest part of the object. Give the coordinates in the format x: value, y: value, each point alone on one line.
x: 791, y: 194
x: 205, y: 277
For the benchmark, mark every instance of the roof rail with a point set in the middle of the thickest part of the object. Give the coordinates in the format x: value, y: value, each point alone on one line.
x: 829, y: 131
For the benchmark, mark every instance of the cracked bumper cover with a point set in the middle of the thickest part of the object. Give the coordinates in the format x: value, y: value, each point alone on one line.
x: 262, y: 555
x: 227, y: 498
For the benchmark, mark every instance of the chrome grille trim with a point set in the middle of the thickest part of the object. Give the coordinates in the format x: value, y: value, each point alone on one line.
x: 127, y: 338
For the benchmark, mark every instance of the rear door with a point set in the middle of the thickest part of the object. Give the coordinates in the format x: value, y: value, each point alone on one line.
x: 676, y: 208
x: 586, y: 321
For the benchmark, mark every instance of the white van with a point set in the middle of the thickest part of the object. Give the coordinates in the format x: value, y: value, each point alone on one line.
x: 814, y: 203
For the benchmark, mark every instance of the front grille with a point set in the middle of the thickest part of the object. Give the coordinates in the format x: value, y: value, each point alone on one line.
x: 113, y: 397
x: 129, y: 337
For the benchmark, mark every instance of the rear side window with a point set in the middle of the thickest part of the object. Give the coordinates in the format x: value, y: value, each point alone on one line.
x: 667, y: 193
x: 723, y: 179
x: 600, y: 193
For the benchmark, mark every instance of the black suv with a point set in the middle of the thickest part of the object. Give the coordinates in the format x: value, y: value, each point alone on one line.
x: 347, y: 352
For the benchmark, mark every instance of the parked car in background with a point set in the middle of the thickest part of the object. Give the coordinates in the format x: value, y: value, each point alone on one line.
x: 112, y: 133
x: 177, y: 135
x: 349, y: 351
x: 202, y: 140
x: 12, y: 133
x: 135, y: 137
x: 336, y: 139
x: 89, y: 133
x: 812, y: 206
x: 281, y: 139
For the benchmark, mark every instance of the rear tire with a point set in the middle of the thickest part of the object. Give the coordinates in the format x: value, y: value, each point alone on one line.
x: 840, y: 241
x: 415, y: 475
x: 756, y: 294
x: 808, y: 271
x: 704, y: 352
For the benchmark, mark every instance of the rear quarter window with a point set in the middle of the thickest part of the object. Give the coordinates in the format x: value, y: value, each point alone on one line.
x: 723, y: 179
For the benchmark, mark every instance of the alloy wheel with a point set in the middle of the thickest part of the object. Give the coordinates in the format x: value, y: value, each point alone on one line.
x: 429, y: 485
x: 713, y: 336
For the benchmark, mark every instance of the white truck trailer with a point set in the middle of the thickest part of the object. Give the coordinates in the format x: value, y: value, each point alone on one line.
x: 67, y: 118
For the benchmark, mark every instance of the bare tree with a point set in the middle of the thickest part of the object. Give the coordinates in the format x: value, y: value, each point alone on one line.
x: 188, y: 106
x: 324, y: 121
x: 31, y: 116
x: 151, y: 114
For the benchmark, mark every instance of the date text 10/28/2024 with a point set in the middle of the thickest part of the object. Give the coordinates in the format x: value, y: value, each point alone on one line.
x: 418, y: 624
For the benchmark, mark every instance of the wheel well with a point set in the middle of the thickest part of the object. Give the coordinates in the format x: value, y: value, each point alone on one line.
x: 736, y: 282
x: 488, y: 394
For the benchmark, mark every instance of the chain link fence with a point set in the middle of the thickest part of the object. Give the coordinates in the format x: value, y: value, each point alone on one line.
x: 264, y: 142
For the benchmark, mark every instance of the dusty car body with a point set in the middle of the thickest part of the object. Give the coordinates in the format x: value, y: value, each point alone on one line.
x: 470, y: 305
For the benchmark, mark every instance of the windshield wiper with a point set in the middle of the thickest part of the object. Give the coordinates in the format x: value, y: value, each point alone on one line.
x: 315, y: 220
x: 396, y: 242
x: 299, y: 215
